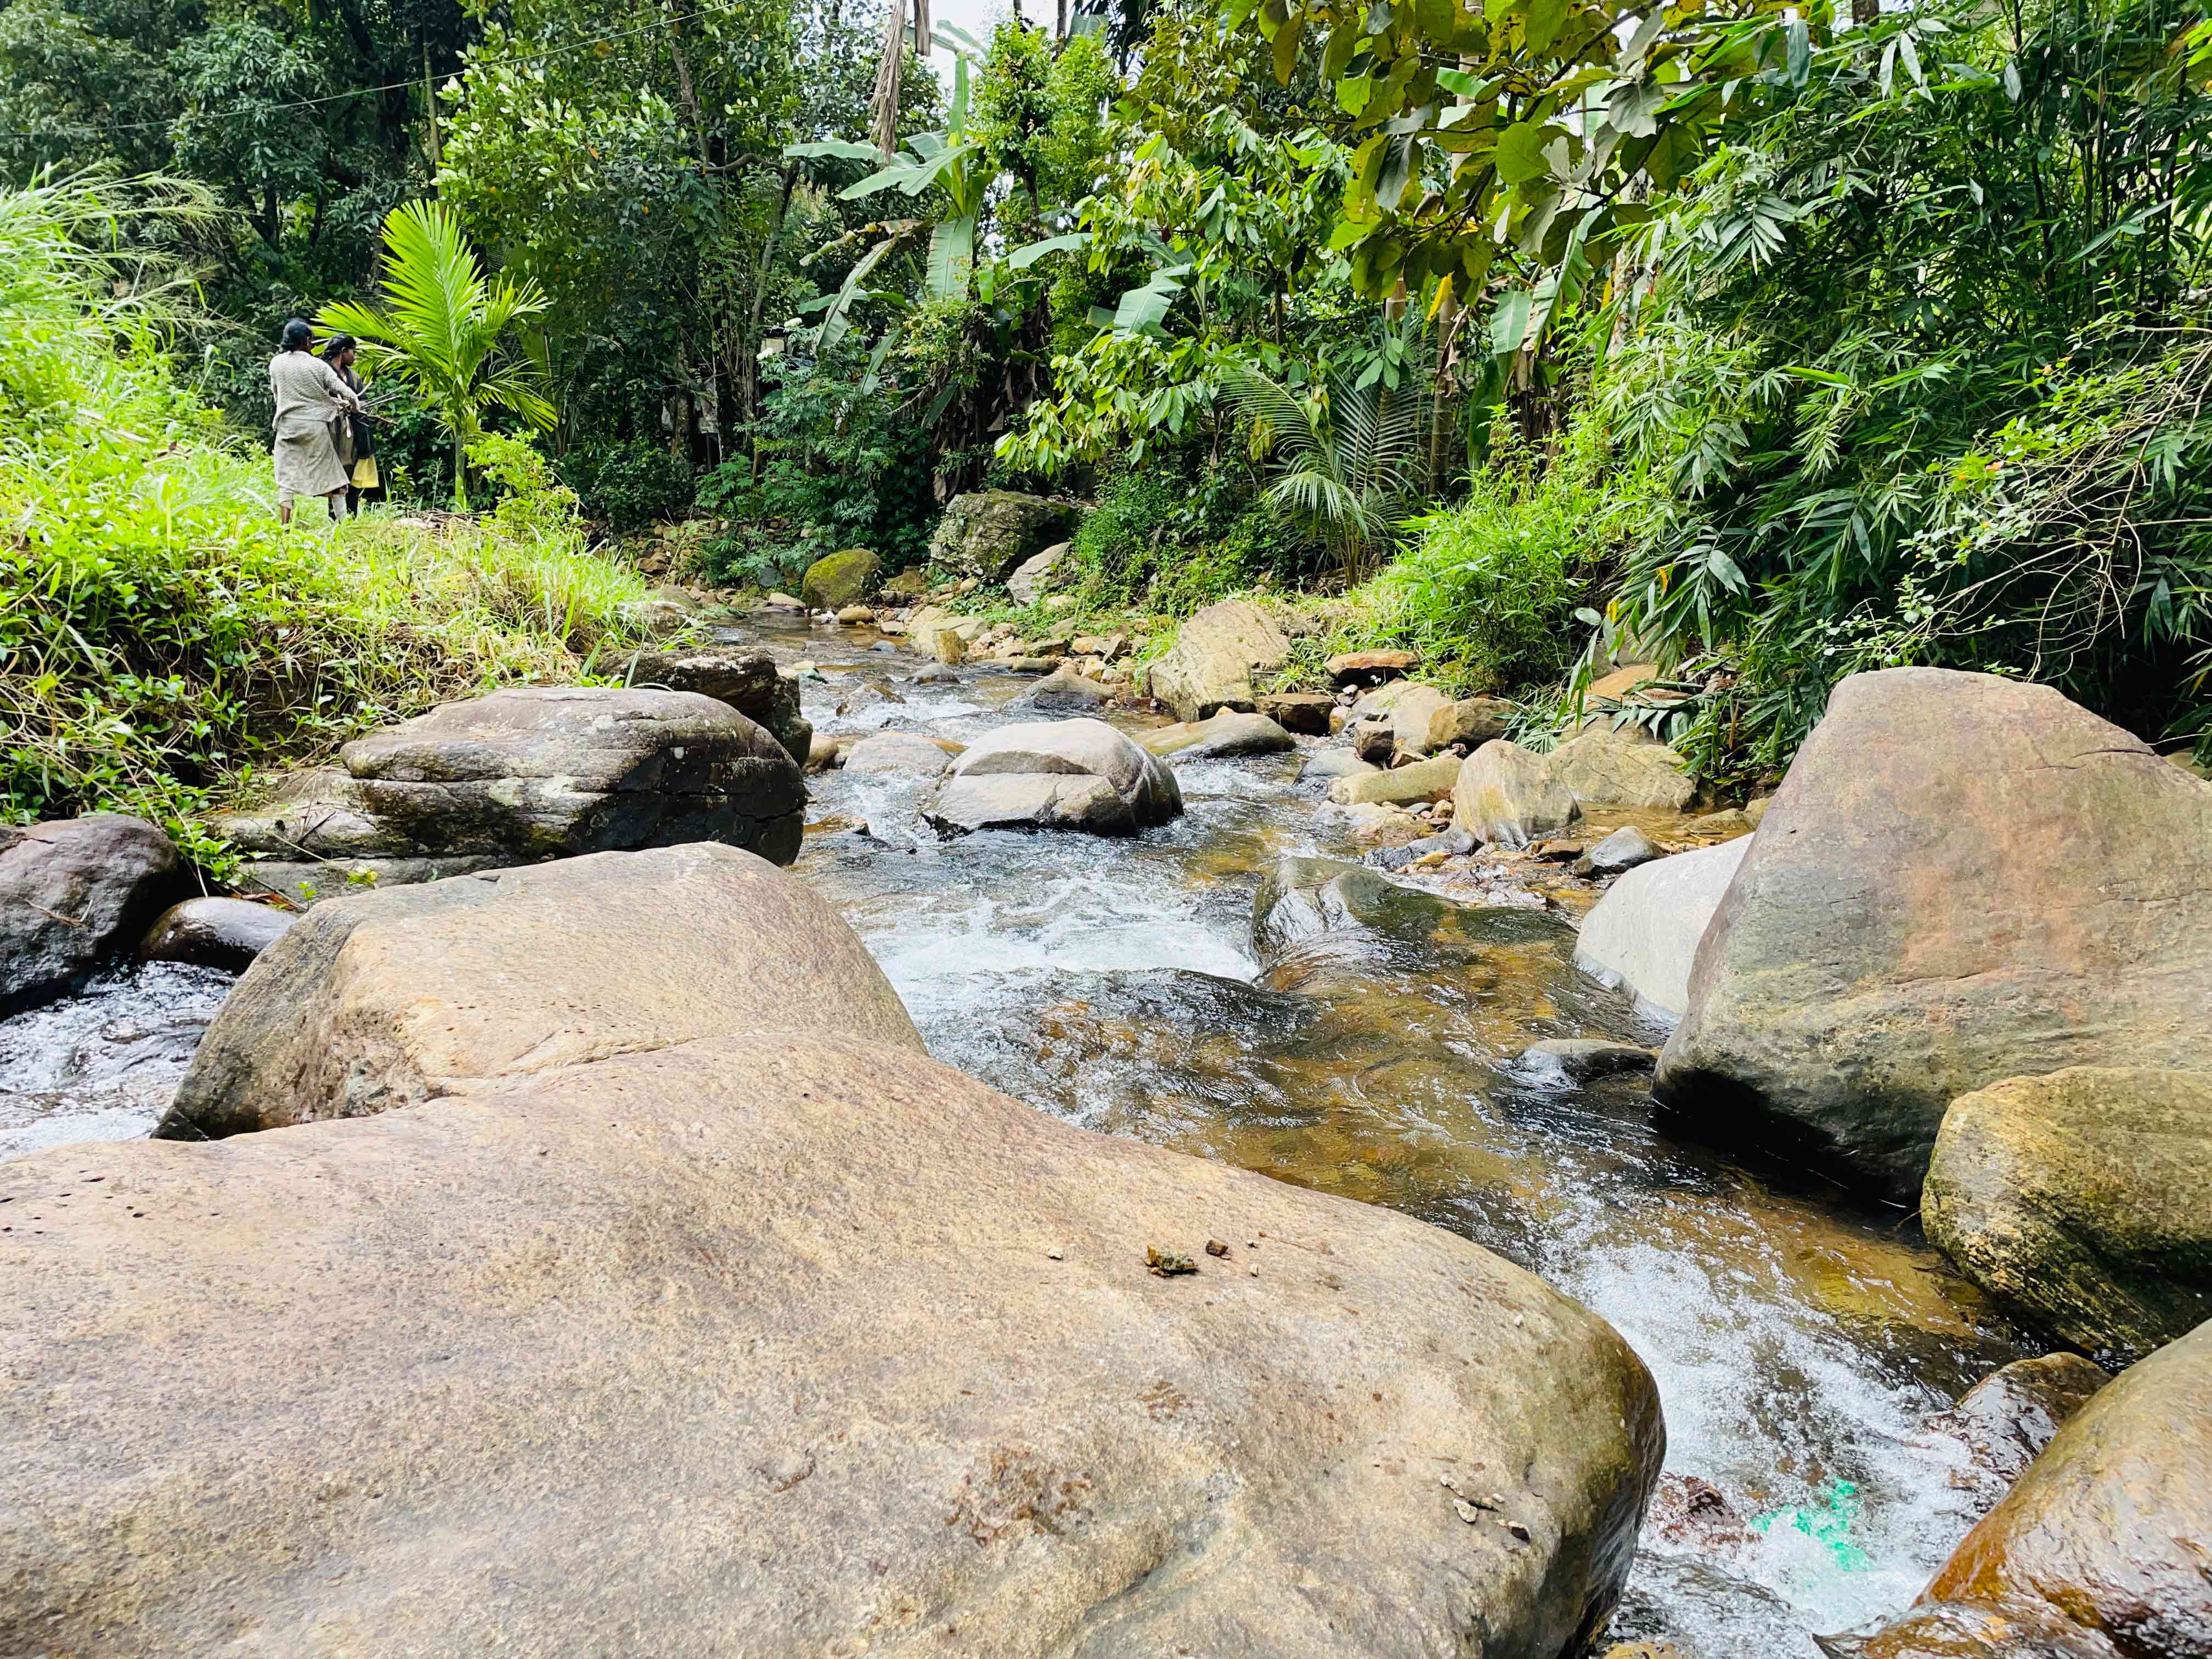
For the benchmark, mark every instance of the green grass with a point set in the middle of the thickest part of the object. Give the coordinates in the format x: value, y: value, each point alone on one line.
x: 161, y: 635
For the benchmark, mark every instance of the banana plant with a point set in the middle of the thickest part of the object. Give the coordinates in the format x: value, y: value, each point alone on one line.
x: 952, y: 162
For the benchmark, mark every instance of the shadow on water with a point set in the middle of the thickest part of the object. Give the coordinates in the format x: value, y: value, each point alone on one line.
x: 1799, y: 1339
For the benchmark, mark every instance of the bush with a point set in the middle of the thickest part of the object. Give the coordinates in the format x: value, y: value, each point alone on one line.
x: 1488, y: 594
x: 165, y: 634
x: 1174, y: 538
x: 627, y: 486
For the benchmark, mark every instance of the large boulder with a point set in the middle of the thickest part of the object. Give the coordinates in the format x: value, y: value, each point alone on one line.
x: 1962, y: 879
x: 392, y: 998
x: 902, y: 754
x: 2082, y: 1201
x: 1470, y: 722
x: 1602, y: 766
x: 1400, y: 786
x: 1225, y: 733
x: 1505, y: 794
x: 1211, y: 665
x: 988, y: 533
x: 839, y: 579
x: 788, y: 1347
x: 1031, y: 578
x: 749, y: 681
x: 2100, y: 1551
x: 1056, y: 774
x: 1414, y: 714
x: 73, y: 891
x: 1643, y: 934
x: 536, y: 772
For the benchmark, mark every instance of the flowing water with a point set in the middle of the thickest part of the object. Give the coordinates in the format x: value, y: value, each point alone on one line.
x: 1799, y: 1341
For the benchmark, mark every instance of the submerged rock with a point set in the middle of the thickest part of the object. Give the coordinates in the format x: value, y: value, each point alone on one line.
x: 1305, y: 900
x: 2098, y: 1550
x: 214, y: 933
x: 1056, y: 774
x: 1645, y: 931
x: 389, y: 998
x: 1963, y: 878
x: 1211, y: 665
x: 1505, y: 794
x: 2005, y: 1420
x: 73, y: 891
x: 2082, y: 1201
x: 1584, y: 1060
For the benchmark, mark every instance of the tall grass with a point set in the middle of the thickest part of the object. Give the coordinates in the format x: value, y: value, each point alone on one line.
x: 161, y: 635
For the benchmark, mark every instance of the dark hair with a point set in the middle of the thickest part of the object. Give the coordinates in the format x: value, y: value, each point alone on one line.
x: 337, y: 347
x: 297, y: 336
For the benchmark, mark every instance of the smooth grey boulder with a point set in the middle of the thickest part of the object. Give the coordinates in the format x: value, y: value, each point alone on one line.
x: 1505, y: 794
x: 1963, y: 878
x: 535, y: 772
x: 1067, y: 691
x: 1415, y: 714
x: 1624, y: 849
x: 749, y: 681
x: 1470, y: 723
x: 1226, y: 734
x: 905, y: 754
x: 72, y: 892
x: 214, y: 933
x: 1329, y: 764
x: 1056, y: 774
x: 1643, y: 934
x: 389, y: 998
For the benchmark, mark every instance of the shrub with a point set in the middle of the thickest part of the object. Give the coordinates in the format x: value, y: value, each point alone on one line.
x: 627, y: 486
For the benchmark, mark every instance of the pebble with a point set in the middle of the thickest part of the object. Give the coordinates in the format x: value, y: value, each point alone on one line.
x: 1215, y: 1247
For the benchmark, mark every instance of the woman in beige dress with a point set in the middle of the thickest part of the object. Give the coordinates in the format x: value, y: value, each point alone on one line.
x: 309, y: 395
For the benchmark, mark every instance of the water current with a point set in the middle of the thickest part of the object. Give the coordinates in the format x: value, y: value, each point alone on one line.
x: 1799, y: 1342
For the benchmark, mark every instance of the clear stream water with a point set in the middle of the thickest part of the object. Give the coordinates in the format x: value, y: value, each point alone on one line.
x: 1799, y: 1342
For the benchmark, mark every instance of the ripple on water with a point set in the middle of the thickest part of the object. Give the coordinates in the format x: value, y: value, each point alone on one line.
x: 102, y: 1065
x: 1798, y: 1341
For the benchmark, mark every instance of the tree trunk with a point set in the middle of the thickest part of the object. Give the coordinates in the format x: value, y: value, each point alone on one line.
x: 749, y: 369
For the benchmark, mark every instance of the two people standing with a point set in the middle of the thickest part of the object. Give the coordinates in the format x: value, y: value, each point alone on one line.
x: 322, y: 443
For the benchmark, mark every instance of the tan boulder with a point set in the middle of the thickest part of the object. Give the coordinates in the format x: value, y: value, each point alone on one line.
x: 785, y: 1348
x: 1503, y: 793
x: 1211, y: 665
x: 1413, y: 716
x: 1471, y: 721
x: 2098, y: 1552
x: 380, y: 1001
x: 1602, y: 766
x: 1423, y: 780
x: 1079, y: 775
x: 1370, y: 667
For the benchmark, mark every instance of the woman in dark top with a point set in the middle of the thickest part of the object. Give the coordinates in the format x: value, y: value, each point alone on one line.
x: 350, y: 432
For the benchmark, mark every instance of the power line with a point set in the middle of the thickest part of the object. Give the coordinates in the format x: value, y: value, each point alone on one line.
x: 368, y: 92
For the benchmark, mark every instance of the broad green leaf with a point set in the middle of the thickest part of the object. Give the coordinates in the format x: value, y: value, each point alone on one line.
x: 1352, y: 94
x: 1799, y: 40
x: 1508, y: 323
x: 1521, y: 153
x: 833, y: 149
x: 951, y: 257
x: 1545, y: 18
x: 1022, y: 258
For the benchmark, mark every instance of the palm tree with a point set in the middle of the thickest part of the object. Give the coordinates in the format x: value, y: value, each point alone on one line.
x: 441, y: 327
x: 1349, y: 463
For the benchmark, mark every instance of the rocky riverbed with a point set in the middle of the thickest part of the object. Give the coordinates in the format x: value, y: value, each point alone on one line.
x: 1228, y: 973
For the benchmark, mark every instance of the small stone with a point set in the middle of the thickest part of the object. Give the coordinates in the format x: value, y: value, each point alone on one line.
x: 1166, y: 1264
x: 1053, y: 1254
x: 1466, y: 1511
x: 1215, y: 1247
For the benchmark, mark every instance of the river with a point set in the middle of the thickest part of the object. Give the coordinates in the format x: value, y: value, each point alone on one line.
x: 1800, y: 1341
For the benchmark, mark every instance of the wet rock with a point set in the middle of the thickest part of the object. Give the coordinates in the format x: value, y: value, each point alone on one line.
x: 986, y: 534
x: 1423, y: 780
x: 1726, y: 822
x: 430, y: 1354
x: 535, y: 772
x: 1336, y: 763
x: 2082, y: 1202
x: 388, y: 998
x: 1056, y: 774
x: 865, y: 694
x: 1470, y: 722
x: 1065, y: 691
x: 214, y: 933
x: 823, y: 751
x: 1964, y: 878
x: 1584, y: 1060
x: 1645, y: 931
x: 749, y: 681
x: 1226, y: 734
x: 1602, y: 766
x: 73, y: 891
x: 1302, y: 712
x: 2005, y: 1420
x: 1505, y: 794
x: 1211, y: 665
x: 1033, y: 575
x: 903, y: 754
x: 1375, y: 742
x: 1696, y: 1513
x: 305, y: 883
x: 1370, y: 667
x: 1624, y: 849
x: 1302, y: 900
x: 1388, y: 826
x: 2098, y: 1550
